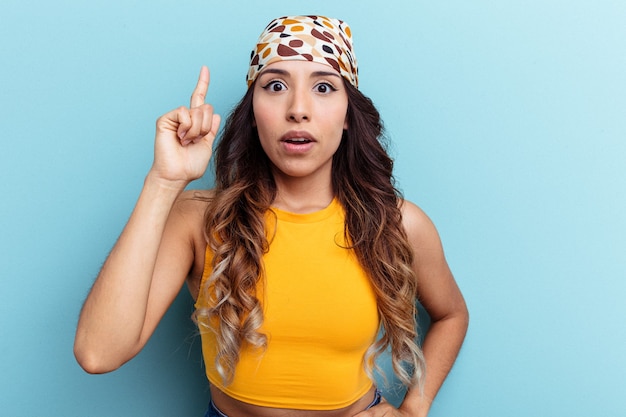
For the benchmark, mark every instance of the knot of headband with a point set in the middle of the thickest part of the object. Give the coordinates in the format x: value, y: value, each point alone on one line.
x: 306, y: 38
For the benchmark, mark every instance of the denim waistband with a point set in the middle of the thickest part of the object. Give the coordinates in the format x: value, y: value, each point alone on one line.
x: 378, y: 396
x: 213, y: 411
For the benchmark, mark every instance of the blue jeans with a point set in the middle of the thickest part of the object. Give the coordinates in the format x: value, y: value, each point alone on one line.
x: 213, y: 411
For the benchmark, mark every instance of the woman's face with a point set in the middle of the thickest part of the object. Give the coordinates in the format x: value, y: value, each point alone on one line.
x: 300, y: 113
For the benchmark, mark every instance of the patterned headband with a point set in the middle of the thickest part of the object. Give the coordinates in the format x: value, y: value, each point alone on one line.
x: 306, y: 38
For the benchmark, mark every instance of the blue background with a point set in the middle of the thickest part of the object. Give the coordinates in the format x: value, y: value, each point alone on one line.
x: 508, y: 122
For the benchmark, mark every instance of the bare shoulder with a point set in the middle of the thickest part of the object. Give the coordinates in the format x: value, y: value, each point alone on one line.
x: 418, y: 226
x: 437, y: 288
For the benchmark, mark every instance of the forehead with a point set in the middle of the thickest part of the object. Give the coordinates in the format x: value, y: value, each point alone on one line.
x: 299, y: 68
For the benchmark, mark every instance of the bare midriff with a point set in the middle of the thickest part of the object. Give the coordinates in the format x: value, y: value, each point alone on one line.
x: 235, y: 408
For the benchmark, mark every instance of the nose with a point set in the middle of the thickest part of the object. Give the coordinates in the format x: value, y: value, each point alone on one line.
x: 299, y: 109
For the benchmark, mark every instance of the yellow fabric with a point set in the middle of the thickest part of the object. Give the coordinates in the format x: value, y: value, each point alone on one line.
x: 320, y: 318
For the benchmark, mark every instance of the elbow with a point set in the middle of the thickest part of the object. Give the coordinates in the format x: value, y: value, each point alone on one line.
x: 92, y: 364
x: 457, y: 318
x: 463, y: 316
x: 94, y: 361
x: 92, y: 368
x: 99, y: 354
x: 464, y: 319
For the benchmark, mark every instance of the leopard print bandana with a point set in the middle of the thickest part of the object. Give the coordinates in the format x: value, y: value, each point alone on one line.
x: 306, y: 38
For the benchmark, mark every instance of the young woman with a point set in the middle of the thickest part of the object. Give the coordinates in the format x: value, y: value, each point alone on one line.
x: 297, y: 258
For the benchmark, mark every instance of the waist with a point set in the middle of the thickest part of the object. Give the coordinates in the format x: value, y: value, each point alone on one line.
x: 224, y: 406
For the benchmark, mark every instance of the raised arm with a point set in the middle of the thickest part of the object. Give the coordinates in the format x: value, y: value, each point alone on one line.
x: 152, y: 257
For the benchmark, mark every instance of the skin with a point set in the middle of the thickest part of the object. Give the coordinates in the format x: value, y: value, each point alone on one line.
x: 309, y: 101
x: 162, y: 246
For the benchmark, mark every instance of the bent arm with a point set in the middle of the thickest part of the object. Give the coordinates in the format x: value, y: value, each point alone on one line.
x: 442, y: 299
x: 139, y: 280
x: 154, y: 254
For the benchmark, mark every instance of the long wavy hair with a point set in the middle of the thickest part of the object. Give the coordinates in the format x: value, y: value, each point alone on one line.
x: 363, y: 183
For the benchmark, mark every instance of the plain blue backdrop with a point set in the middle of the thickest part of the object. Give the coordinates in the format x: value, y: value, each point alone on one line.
x: 508, y: 126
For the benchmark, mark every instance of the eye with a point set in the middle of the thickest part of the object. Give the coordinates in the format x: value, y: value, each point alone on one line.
x: 324, y: 88
x: 275, y: 86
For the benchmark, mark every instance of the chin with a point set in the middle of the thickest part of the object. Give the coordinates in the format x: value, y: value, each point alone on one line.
x: 301, y: 172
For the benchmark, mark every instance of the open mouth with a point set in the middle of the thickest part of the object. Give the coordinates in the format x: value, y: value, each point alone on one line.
x: 298, y: 141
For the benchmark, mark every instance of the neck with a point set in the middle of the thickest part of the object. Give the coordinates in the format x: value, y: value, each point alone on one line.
x: 302, y: 195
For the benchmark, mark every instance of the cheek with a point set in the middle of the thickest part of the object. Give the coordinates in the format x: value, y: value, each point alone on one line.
x: 338, y: 113
x: 263, y: 128
x: 263, y: 124
x: 263, y: 113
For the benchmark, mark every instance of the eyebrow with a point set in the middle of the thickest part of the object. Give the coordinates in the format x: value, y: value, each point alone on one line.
x: 314, y: 74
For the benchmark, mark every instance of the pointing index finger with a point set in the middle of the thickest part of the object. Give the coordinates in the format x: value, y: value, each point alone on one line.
x: 199, y: 93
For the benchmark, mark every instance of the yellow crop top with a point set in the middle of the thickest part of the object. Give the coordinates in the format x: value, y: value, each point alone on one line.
x: 320, y: 317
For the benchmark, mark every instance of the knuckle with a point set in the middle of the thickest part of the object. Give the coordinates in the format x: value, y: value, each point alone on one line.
x: 196, y: 115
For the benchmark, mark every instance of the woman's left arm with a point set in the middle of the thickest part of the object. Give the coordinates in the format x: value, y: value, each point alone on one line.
x: 442, y: 299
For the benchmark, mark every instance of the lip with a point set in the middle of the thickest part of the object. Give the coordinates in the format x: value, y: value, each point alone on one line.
x: 297, y: 147
x: 297, y: 134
